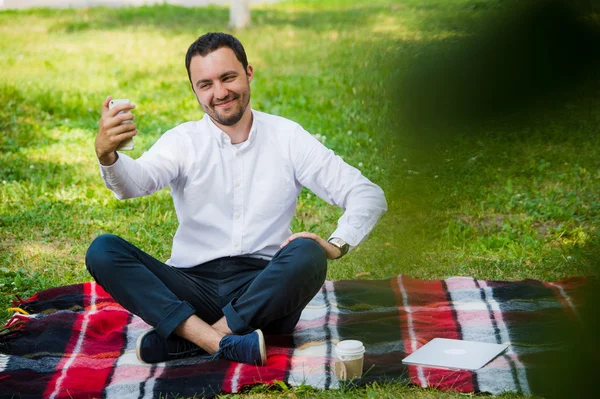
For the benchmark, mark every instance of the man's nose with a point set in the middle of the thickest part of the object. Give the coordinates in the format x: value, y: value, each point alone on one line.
x: 220, y: 91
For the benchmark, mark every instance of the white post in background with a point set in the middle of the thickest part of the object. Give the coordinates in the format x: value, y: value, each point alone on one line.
x: 239, y: 14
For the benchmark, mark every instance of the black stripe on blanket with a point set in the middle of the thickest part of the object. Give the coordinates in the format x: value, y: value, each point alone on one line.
x: 34, y: 363
x: 368, y: 312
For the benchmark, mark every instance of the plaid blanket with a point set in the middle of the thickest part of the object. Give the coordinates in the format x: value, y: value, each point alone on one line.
x: 76, y: 342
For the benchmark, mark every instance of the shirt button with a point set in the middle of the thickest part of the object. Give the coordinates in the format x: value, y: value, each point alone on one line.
x: 237, y: 184
x: 236, y: 245
x: 237, y: 215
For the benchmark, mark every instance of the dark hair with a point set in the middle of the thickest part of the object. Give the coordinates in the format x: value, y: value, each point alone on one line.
x: 212, y: 41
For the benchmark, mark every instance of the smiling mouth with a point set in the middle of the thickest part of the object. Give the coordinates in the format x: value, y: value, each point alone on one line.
x: 225, y: 104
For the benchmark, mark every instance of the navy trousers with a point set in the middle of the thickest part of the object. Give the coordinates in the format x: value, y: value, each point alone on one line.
x: 251, y: 293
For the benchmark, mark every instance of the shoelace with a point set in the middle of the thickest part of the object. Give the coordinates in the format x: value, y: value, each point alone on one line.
x: 226, y: 351
x: 229, y: 350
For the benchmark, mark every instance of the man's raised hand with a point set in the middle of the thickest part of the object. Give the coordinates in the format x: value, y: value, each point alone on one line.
x: 111, y: 132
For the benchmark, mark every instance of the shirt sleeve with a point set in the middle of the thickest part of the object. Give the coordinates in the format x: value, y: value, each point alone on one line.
x: 336, y: 182
x: 155, y: 169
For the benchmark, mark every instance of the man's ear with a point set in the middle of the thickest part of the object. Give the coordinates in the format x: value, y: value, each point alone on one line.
x: 250, y: 73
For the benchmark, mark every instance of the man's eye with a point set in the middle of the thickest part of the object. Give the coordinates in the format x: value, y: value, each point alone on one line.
x: 229, y: 78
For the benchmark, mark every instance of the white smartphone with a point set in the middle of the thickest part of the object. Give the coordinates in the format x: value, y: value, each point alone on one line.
x: 126, y: 145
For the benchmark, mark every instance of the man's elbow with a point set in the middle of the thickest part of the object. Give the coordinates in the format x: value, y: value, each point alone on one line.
x: 121, y: 195
x: 381, y: 201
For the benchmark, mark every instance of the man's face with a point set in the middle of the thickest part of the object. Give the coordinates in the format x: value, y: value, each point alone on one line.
x: 221, y: 85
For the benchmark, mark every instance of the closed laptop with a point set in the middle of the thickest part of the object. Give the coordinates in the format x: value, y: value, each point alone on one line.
x: 454, y: 354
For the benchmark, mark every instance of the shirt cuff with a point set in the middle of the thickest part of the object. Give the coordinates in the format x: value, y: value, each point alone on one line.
x: 112, y: 172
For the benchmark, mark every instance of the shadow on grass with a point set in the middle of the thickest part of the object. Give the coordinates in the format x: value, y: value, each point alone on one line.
x: 522, y: 63
x: 503, y: 122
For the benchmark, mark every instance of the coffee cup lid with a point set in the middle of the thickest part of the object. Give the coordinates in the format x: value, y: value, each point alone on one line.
x: 350, y: 347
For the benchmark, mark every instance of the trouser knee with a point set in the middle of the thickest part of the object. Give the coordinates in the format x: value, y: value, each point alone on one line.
x: 100, y: 256
x: 309, y: 256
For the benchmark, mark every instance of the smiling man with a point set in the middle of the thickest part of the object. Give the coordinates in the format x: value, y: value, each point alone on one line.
x: 222, y: 86
x: 235, y: 269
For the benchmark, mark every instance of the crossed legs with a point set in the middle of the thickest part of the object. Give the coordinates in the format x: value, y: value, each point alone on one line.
x: 205, y: 303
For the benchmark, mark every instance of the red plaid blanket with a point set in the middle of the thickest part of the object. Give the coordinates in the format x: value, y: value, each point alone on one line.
x: 78, y: 343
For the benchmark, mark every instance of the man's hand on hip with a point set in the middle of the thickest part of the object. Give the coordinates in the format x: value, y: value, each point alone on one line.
x: 112, y: 131
x: 331, y: 250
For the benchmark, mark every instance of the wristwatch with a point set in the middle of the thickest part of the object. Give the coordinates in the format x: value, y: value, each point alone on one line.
x: 341, y: 244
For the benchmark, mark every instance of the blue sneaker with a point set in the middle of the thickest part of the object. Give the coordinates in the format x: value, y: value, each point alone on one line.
x: 249, y: 348
x: 152, y: 348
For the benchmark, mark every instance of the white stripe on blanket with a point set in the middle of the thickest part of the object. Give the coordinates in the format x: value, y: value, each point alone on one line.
x: 309, y: 363
x: 129, y: 368
x: 86, y: 320
x: 465, y: 290
x: 3, y: 361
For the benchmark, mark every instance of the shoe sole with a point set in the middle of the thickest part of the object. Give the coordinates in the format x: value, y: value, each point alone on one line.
x: 138, y: 345
x: 263, y: 350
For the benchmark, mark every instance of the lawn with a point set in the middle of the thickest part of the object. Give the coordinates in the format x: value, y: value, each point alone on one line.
x: 503, y: 198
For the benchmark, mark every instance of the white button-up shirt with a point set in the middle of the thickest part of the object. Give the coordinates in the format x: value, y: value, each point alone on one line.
x: 239, y: 199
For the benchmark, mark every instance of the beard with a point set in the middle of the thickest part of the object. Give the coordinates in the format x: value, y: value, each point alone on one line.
x: 235, y: 111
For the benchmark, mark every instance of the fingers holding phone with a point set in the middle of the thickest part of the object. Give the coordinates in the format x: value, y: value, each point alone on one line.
x: 116, y: 129
x: 124, y: 116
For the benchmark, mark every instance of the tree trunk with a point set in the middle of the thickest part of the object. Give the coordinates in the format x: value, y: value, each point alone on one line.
x: 239, y: 14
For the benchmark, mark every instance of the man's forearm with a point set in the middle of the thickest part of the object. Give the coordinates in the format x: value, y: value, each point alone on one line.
x: 126, y: 178
x: 362, y: 212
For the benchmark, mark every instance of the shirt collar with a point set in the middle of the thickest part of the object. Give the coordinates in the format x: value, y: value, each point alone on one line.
x: 222, y: 137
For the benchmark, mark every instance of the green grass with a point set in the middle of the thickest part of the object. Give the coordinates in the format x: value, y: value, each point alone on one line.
x: 506, y: 201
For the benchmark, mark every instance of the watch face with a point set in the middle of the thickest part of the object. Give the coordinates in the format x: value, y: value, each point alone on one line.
x: 338, y: 242
x: 341, y: 244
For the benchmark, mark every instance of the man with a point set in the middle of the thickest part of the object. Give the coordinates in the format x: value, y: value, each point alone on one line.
x: 235, y: 176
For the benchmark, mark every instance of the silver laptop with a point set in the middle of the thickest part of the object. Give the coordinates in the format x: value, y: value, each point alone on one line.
x: 454, y: 354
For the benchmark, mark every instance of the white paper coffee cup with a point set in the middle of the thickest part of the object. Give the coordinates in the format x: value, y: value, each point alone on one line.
x: 350, y: 354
